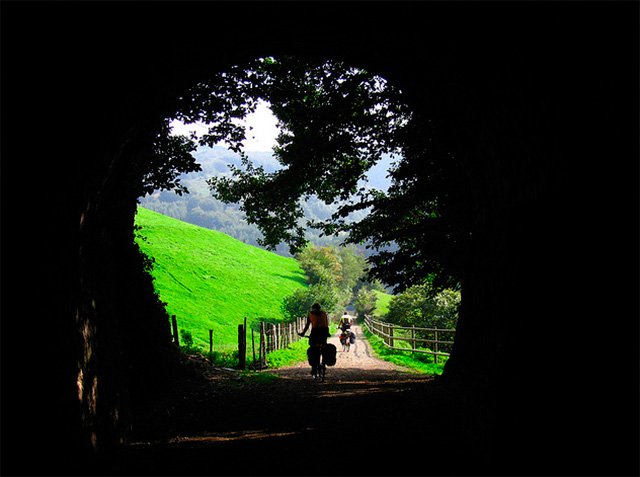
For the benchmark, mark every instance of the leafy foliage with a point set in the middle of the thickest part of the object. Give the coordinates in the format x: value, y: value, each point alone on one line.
x: 365, y: 302
x: 419, y: 362
x: 320, y: 264
x: 419, y: 306
x: 334, y: 275
x: 200, y: 208
x: 336, y: 122
x: 342, y: 266
x: 299, y: 302
x: 354, y: 270
x: 160, y: 159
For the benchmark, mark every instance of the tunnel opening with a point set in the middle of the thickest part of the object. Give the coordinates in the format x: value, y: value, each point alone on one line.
x: 326, y: 119
x: 318, y: 114
x: 154, y: 158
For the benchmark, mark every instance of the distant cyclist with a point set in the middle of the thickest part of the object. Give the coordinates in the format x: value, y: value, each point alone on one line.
x: 345, y: 322
x: 345, y: 340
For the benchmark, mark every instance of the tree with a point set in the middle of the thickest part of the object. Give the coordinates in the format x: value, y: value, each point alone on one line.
x: 411, y: 307
x: 365, y: 302
x: 419, y: 306
x: 321, y: 264
x: 333, y: 274
x: 354, y: 268
x: 447, y: 303
x: 336, y: 122
x: 299, y: 303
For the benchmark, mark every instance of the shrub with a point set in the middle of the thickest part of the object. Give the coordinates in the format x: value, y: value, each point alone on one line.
x: 418, y: 306
x: 299, y: 303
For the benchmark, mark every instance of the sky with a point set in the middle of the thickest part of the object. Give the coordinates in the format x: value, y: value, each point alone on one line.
x: 261, y: 138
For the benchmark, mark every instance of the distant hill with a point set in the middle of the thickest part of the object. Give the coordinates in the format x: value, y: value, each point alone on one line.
x: 210, y: 280
x: 200, y: 208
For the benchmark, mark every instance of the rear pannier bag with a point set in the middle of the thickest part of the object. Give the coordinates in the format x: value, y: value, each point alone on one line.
x: 329, y: 352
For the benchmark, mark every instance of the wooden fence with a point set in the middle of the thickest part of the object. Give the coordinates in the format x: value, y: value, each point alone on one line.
x: 270, y: 337
x: 391, y: 333
x: 274, y: 336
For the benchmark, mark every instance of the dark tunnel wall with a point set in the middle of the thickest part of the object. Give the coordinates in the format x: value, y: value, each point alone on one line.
x: 539, y: 101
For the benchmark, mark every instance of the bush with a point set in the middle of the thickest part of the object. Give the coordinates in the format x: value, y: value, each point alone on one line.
x: 187, y: 345
x: 418, y: 306
x: 299, y: 303
x: 225, y: 359
x: 187, y: 338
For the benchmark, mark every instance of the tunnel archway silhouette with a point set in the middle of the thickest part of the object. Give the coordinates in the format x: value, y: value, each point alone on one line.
x: 515, y: 106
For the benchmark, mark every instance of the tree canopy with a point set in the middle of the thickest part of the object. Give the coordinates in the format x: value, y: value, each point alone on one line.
x: 417, y: 306
x: 336, y: 121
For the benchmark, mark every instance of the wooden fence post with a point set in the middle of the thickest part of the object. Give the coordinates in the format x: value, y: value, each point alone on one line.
x: 268, y: 340
x: 242, y: 344
x: 386, y: 332
x: 253, y: 348
x: 413, y: 337
x: 274, y: 339
x: 260, y: 345
x: 244, y: 340
x: 435, y: 356
x: 263, y: 345
x: 391, y: 335
x: 174, y: 325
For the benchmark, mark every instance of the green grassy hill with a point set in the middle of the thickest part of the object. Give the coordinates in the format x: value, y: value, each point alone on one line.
x: 382, y: 303
x: 210, y: 280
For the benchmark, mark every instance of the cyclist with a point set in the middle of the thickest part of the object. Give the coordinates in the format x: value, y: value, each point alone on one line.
x: 318, y: 320
x: 345, y: 322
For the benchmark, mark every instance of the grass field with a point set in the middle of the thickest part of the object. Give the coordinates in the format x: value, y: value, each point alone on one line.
x: 210, y: 280
x: 382, y: 304
x: 419, y: 362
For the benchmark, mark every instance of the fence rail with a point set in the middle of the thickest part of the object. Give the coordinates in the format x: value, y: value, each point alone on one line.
x: 274, y: 336
x: 270, y: 337
x: 391, y: 333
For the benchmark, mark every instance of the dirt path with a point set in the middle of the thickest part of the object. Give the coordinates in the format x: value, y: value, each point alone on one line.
x: 349, y: 365
x: 366, y: 407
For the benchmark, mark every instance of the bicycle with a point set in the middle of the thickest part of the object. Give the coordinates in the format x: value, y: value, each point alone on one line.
x: 315, y: 358
x: 318, y: 368
x: 345, y: 341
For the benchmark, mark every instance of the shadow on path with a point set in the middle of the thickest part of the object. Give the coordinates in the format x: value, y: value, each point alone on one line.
x: 388, y: 421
